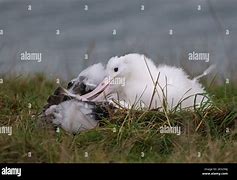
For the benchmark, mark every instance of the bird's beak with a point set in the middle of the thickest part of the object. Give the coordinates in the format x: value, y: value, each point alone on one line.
x: 100, y: 92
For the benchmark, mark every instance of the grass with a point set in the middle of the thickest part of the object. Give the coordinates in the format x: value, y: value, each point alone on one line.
x: 127, y: 136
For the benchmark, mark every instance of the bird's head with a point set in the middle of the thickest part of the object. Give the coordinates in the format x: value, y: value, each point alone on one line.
x: 119, y: 71
x: 87, y: 80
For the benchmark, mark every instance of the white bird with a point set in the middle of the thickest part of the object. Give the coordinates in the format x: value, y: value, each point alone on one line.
x: 147, y: 86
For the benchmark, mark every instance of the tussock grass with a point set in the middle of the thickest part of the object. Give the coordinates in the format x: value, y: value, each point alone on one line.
x: 208, y: 135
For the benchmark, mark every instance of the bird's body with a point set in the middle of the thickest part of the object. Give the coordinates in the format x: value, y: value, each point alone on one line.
x: 151, y: 86
x: 73, y: 116
x: 76, y: 116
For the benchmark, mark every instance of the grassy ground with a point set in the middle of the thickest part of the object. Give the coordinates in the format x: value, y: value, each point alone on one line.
x: 127, y: 136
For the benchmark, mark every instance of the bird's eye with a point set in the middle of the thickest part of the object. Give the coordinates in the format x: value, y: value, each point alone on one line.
x: 116, y: 69
x: 69, y: 84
